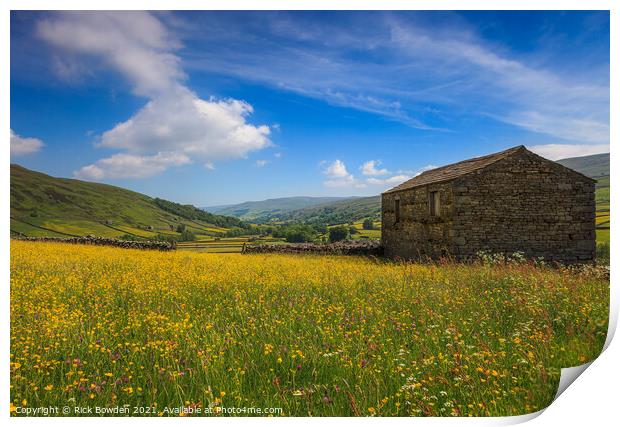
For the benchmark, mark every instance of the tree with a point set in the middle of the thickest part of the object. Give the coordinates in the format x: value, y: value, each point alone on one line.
x: 187, y: 236
x: 234, y: 232
x: 297, y: 236
x: 193, y: 213
x: 338, y: 233
x: 368, y: 224
x: 299, y: 233
x: 180, y: 228
x: 320, y: 228
x: 352, y: 230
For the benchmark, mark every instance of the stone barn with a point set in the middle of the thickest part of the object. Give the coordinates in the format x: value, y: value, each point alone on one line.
x: 512, y: 201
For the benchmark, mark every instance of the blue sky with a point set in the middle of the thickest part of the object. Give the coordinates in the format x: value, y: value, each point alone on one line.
x: 221, y: 107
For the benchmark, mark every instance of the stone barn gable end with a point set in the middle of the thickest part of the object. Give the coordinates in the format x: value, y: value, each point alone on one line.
x: 511, y: 201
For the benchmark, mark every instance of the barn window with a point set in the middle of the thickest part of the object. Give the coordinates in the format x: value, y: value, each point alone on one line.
x: 397, y: 210
x: 433, y: 203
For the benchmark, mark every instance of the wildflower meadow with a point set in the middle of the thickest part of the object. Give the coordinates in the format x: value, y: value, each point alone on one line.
x: 311, y: 335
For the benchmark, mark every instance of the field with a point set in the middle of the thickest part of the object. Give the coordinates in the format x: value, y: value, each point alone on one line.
x: 374, y: 234
x: 311, y: 335
x: 223, y: 245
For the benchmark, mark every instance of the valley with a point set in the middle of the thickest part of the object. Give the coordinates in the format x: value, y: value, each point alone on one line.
x: 42, y: 205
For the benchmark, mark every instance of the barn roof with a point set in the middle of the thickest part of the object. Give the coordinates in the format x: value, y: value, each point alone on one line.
x: 455, y: 170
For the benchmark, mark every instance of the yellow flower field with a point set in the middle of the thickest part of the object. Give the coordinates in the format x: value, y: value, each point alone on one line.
x: 312, y: 335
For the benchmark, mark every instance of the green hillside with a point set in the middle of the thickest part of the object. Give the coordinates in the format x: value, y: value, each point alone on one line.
x: 42, y: 205
x: 597, y: 167
x: 343, y: 211
x: 270, y: 209
x: 592, y: 166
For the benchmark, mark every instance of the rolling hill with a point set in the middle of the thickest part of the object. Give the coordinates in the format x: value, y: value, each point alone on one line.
x: 42, y: 205
x: 597, y: 167
x: 593, y: 166
x: 271, y: 209
x: 340, y: 212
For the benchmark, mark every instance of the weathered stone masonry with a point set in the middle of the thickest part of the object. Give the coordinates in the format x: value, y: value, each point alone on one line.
x: 513, y: 201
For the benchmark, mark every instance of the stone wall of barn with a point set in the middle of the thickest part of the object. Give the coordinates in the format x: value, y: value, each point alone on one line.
x: 524, y: 203
x: 417, y: 233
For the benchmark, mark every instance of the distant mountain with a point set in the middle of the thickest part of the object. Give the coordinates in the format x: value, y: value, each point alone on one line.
x: 339, y: 212
x: 42, y: 205
x: 271, y: 209
x: 215, y: 209
x: 592, y: 166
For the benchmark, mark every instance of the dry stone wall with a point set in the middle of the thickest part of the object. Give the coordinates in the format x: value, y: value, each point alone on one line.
x: 338, y: 248
x: 103, y: 241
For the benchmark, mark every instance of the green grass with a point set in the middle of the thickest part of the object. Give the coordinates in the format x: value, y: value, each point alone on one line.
x: 33, y: 231
x: 374, y: 234
x: 76, y: 207
x: 603, y: 217
x: 312, y: 335
x: 602, y: 236
x: 79, y: 227
x: 137, y: 232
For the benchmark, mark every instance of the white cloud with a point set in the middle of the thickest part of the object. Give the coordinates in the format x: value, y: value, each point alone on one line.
x: 391, y: 181
x: 135, y: 43
x: 183, y: 123
x: 175, y: 127
x: 130, y: 166
x: 370, y: 168
x: 338, y: 176
x: 70, y: 70
x: 397, y: 179
x: 277, y: 155
x: 348, y: 181
x: 470, y: 76
x: 536, y: 99
x: 261, y: 163
x: 336, y: 169
x: 424, y: 169
x: 21, y: 146
x: 563, y: 151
